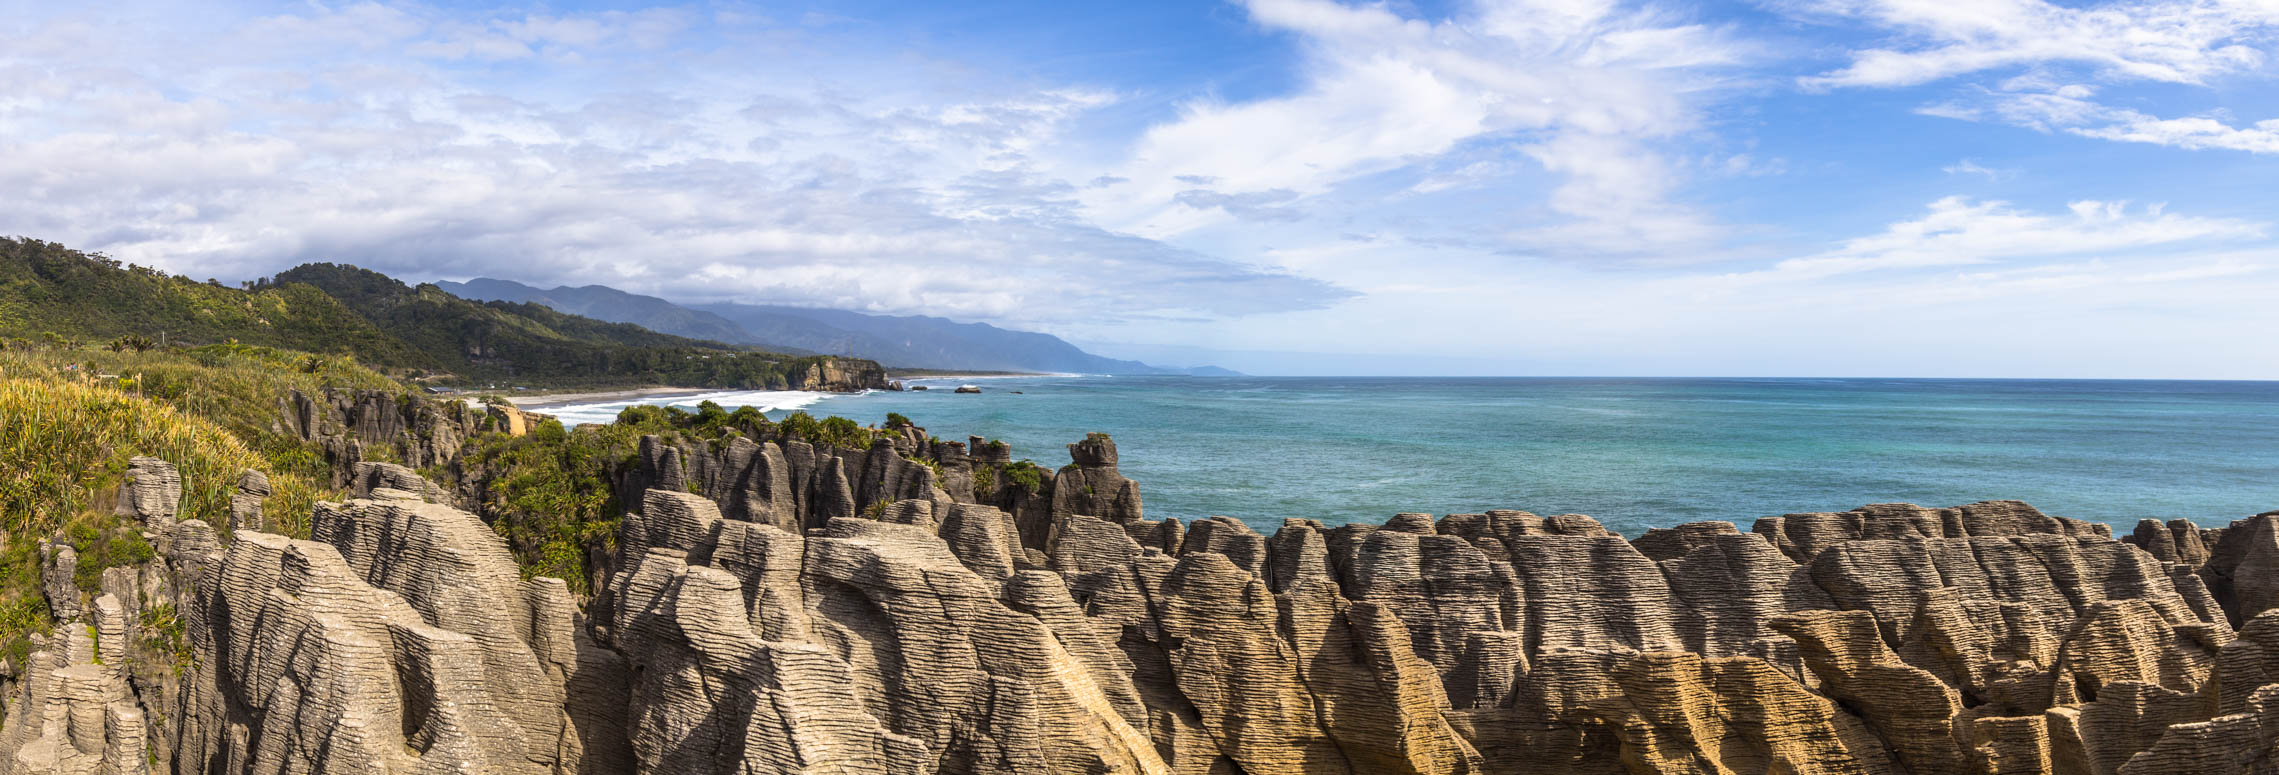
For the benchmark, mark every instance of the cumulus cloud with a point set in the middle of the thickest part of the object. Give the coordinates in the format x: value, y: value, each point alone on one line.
x: 393, y: 138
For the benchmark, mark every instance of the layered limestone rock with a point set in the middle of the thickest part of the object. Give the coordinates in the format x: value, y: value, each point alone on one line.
x: 786, y: 482
x: 245, y: 504
x: 81, y: 700
x: 356, y: 426
x: 73, y: 712
x: 403, y: 641
x: 1094, y: 486
x: 777, y: 606
x: 868, y: 646
x: 153, y: 492
x: 2242, y: 568
x: 1802, y: 536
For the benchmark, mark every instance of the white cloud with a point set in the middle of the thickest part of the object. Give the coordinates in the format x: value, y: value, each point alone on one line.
x: 746, y: 168
x: 2070, y: 111
x: 2192, y: 133
x: 2174, y: 41
x: 1970, y: 167
x: 1585, y: 88
x: 1958, y: 231
x: 2189, y: 42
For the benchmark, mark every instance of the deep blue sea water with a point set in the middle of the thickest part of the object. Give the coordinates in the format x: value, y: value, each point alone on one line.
x: 1635, y: 453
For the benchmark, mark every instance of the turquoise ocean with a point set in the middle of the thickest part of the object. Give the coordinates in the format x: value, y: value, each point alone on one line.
x: 1634, y: 453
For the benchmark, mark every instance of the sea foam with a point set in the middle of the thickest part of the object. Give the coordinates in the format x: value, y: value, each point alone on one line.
x: 763, y: 400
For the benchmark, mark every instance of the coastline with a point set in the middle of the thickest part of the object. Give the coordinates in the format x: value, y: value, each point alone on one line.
x: 556, y: 400
x: 537, y: 401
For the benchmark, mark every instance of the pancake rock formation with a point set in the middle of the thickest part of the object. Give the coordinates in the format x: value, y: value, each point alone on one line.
x: 821, y: 610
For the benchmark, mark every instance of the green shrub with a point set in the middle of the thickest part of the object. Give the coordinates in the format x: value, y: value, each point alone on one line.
x: 1026, y: 475
x: 984, y: 481
x: 163, y: 632
x: 104, y: 541
x: 549, y: 494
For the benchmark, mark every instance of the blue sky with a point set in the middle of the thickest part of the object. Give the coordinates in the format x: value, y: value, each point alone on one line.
x: 1791, y: 187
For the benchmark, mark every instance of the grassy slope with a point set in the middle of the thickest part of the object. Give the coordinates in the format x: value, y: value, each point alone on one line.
x: 46, y: 288
x: 67, y: 431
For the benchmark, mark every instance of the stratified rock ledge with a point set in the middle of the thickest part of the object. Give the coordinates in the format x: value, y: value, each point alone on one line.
x: 840, y: 611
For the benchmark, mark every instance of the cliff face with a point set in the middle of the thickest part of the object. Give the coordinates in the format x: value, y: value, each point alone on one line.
x: 845, y: 375
x: 821, y: 610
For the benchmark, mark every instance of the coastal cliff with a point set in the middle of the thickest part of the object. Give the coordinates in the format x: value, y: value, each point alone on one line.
x: 802, y: 599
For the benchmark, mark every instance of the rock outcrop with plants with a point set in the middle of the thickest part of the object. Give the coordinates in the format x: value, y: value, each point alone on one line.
x: 722, y: 592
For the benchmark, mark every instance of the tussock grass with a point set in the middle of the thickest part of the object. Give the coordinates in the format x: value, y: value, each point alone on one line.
x: 71, y: 418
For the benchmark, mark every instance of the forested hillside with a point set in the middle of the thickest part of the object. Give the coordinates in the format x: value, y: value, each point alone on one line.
x: 51, y: 294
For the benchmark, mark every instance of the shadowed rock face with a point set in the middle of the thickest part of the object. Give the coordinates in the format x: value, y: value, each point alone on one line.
x: 769, y: 627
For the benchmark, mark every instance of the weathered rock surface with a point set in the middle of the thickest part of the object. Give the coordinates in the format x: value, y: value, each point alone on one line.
x: 404, y: 640
x: 1094, y: 485
x: 74, y: 713
x: 378, y: 425
x: 778, y: 607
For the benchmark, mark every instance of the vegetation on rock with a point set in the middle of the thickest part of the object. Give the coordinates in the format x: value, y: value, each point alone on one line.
x: 70, y: 419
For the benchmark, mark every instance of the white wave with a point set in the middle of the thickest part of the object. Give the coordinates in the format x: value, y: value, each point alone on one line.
x: 763, y: 400
x: 947, y: 378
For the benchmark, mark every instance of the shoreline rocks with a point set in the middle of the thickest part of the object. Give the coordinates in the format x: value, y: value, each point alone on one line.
x: 825, y: 610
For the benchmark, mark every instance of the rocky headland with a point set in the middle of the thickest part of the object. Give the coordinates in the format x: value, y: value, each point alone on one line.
x: 770, y: 604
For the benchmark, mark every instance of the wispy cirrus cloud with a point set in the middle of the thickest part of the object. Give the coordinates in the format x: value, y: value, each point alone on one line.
x: 2074, y: 111
x: 2172, y: 41
x: 1959, y: 231
x: 2053, y: 61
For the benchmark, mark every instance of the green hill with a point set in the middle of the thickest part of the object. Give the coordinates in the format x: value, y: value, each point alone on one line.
x: 50, y: 291
x: 46, y: 288
x: 499, y: 342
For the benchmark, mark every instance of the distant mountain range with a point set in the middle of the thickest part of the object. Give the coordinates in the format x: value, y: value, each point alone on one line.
x: 912, y: 341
